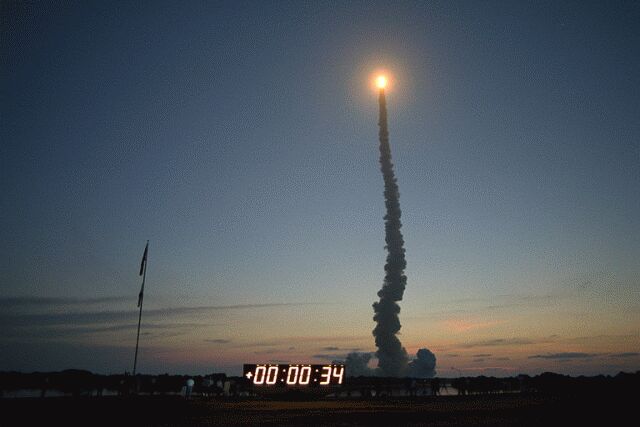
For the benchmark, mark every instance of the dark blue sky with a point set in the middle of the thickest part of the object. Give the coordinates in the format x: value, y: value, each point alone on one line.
x: 241, y: 139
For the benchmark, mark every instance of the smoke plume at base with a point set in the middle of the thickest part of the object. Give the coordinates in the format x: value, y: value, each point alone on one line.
x: 357, y: 365
x: 424, y: 365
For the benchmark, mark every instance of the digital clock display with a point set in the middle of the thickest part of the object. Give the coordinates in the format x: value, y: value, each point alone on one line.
x: 294, y: 375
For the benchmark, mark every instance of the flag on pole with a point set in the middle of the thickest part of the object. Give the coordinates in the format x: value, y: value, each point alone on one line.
x: 144, y: 258
x: 143, y: 266
x: 140, y: 295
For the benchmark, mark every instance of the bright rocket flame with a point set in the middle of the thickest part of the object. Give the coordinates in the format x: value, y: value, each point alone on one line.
x: 381, y: 82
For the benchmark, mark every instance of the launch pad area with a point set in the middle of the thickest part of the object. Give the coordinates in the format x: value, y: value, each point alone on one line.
x: 487, y: 410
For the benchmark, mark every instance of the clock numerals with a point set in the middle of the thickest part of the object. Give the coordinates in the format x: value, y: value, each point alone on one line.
x: 265, y: 376
x: 325, y: 375
x: 305, y: 375
x: 292, y: 375
x: 338, y: 372
x: 295, y: 375
x: 258, y: 376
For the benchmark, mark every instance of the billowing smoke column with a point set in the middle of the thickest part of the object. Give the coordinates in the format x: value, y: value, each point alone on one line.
x: 392, y: 357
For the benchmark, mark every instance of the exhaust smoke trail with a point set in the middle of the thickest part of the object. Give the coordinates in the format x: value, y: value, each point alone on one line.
x: 392, y: 356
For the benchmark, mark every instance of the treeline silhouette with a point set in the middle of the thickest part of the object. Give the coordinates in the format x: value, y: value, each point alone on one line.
x: 79, y: 382
x: 549, y: 383
x: 85, y: 383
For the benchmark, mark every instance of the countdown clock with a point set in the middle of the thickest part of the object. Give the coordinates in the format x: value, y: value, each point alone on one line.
x: 294, y: 375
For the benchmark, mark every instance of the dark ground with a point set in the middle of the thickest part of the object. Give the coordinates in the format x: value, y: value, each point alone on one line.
x: 479, y: 410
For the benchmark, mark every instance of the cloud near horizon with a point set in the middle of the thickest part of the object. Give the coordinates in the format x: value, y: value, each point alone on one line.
x: 499, y: 342
x: 625, y: 355
x: 9, y: 303
x: 565, y: 355
x: 93, y: 317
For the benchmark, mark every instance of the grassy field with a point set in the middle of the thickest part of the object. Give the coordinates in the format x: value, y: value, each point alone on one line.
x: 487, y: 410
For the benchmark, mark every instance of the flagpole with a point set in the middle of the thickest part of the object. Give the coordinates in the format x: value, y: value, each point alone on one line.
x: 144, y: 277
